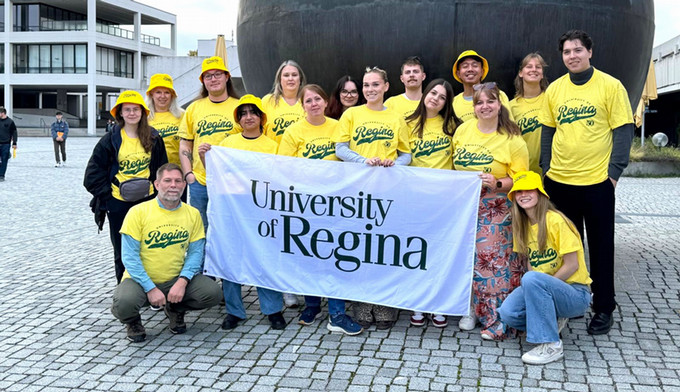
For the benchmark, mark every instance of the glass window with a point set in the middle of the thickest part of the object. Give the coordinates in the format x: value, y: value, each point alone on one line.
x: 45, y: 59
x: 33, y: 59
x: 33, y: 17
x: 81, y: 58
x: 69, y: 59
x: 57, y: 59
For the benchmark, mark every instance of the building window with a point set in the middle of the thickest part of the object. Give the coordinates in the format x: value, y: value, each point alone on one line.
x: 56, y: 58
x: 41, y: 17
x: 2, y: 58
x: 114, y: 62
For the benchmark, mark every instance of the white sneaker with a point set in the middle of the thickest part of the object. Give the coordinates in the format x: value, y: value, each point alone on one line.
x: 417, y: 319
x: 544, y: 353
x: 561, y: 323
x: 467, y: 323
x: 291, y: 300
x: 58, y: 164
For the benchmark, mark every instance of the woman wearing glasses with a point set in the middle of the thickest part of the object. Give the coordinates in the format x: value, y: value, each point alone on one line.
x: 346, y: 94
x: 530, y: 86
x: 355, y: 143
x: 282, y: 105
x: 432, y: 124
x: 491, y: 144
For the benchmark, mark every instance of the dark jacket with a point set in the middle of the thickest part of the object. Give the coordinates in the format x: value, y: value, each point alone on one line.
x: 8, y: 131
x: 59, y: 126
x: 103, y: 164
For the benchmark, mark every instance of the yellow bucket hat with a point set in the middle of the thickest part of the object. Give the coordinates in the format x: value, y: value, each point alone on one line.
x: 161, y: 80
x: 526, y: 181
x: 470, y: 53
x: 214, y: 62
x: 129, y: 96
x: 250, y: 99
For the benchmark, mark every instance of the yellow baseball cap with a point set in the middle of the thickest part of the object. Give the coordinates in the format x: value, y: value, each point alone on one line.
x: 526, y: 181
x: 129, y: 96
x: 214, y: 62
x: 250, y: 99
x: 473, y: 54
x: 161, y: 80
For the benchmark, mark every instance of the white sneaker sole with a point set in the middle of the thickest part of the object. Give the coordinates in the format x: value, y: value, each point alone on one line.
x: 334, y: 328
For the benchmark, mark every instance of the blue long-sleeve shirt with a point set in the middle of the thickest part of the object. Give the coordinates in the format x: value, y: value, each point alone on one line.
x: 130, y: 249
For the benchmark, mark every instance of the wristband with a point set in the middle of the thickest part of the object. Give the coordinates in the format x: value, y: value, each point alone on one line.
x: 185, y: 176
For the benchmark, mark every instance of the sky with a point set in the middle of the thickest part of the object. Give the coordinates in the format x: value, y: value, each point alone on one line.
x: 205, y: 19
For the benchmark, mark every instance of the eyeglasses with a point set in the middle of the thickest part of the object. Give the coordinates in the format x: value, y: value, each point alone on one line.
x: 349, y: 93
x: 484, y: 86
x: 210, y: 76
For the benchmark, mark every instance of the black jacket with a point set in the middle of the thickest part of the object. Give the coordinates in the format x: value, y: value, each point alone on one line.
x: 103, y: 164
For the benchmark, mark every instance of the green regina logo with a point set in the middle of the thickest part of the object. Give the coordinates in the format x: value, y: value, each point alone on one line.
x: 280, y: 124
x: 369, y: 135
x: 206, y: 128
x: 529, y: 124
x: 464, y: 158
x: 163, y: 239
x: 425, y: 148
x: 536, y: 257
x: 166, y: 130
x: 134, y: 166
x: 318, y: 151
x: 568, y: 115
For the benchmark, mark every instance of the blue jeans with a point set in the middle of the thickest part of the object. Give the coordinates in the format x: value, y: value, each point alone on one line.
x: 4, y: 157
x: 335, y: 306
x: 536, y: 304
x: 270, y: 301
x: 198, y: 197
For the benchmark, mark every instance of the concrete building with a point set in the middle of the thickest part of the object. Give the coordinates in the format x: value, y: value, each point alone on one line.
x: 665, y: 116
x: 69, y: 55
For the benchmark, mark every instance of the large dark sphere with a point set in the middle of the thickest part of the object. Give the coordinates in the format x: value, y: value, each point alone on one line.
x: 332, y: 38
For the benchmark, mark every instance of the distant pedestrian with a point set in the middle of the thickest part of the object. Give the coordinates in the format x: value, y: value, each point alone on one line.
x: 8, y: 134
x: 110, y: 125
x: 59, y: 135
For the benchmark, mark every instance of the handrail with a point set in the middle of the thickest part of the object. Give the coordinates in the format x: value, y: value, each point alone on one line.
x: 46, y: 128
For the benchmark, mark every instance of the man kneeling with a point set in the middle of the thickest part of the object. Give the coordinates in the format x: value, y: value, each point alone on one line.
x: 162, y: 250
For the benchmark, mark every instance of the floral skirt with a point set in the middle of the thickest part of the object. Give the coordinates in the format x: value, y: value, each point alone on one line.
x: 497, y: 268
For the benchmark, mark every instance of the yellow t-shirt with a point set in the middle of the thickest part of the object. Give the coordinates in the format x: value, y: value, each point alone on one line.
x: 526, y: 111
x: 167, y: 126
x: 401, y: 104
x: 133, y: 162
x: 207, y: 122
x: 164, y: 237
x: 584, y: 117
x: 435, y: 149
x: 305, y: 140
x: 281, y: 116
x: 373, y: 133
x: 561, y: 241
x: 500, y: 155
x: 261, y: 144
x: 465, y: 110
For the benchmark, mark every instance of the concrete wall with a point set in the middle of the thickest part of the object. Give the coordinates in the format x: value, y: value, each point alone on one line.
x: 667, y: 66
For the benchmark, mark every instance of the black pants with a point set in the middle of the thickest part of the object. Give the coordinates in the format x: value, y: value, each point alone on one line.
x: 59, y: 146
x: 593, y: 204
x: 115, y: 212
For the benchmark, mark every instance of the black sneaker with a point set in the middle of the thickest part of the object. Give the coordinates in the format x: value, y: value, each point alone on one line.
x: 231, y: 321
x: 308, y: 315
x: 600, y: 324
x: 135, y: 331
x: 277, y: 320
x: 177, y: 324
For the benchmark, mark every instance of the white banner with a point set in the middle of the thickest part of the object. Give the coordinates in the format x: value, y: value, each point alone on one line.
x: 399, y: 236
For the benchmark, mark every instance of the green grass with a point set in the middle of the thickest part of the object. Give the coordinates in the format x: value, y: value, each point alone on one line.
x: 650, y: 153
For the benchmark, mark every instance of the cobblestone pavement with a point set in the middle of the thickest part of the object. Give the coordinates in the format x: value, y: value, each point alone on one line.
x: 57, y: 333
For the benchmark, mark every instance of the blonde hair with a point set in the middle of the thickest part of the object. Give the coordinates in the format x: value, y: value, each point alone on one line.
x: 174, y: 108
x: 277, y: 90
x: 521, y: 224
x: 378, y: 71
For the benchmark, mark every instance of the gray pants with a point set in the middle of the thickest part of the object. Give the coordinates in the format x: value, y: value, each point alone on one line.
x: 129, y: 297
x: 57, y: 147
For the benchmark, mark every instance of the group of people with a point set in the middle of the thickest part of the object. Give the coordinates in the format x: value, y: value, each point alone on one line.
x: 565, y: 143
